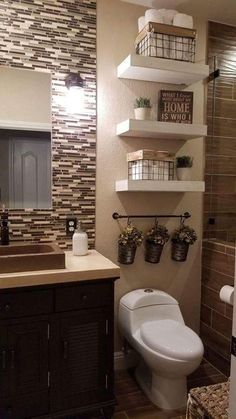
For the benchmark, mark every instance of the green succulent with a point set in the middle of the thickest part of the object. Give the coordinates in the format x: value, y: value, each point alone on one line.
x: 142, y: 102
x: 184, y: 161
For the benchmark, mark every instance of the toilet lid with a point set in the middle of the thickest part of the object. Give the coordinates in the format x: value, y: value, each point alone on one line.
x: 172, y: 339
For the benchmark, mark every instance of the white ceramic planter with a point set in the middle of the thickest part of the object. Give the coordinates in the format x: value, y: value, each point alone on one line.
x: 142, y: 113
x: 183, y: 173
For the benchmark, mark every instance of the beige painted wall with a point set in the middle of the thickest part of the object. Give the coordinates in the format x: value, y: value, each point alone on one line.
x: 25, y: 95
x: 116, y: 31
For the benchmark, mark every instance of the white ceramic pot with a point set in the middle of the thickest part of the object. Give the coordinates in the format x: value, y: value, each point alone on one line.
x: 142, y: 113
x: 183, y: 173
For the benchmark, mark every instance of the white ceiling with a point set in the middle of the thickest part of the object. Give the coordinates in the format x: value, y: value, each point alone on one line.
x: 219, y: 10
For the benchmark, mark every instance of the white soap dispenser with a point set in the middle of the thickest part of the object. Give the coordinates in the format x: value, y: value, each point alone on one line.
x: 79, y: 241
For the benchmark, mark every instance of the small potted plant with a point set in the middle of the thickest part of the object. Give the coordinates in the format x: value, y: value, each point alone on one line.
x: 142, y: 108
x: 128, y: 241
x: 154, y: 243
x: 181, y: 239
x: 183, y: 167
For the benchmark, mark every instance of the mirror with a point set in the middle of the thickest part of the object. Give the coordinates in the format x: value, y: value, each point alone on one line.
x: 25, y: 139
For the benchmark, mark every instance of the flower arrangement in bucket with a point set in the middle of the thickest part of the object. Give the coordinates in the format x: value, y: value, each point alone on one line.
x: 128, y: 241
x: 142, y: 108
x: 181, y: 239
x: 156, y: 238
x: 183, y: 167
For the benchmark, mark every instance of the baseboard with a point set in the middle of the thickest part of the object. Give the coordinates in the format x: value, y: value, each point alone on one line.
x: 124, y: 361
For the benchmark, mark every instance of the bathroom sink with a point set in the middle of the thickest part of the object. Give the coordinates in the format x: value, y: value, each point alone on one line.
x: 22, y: 257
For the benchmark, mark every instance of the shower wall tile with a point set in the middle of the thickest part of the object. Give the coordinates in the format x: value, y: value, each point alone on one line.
x: 223, y: 127
x: 57, y: 36
x: 221, y: 146
x: 223, y: 108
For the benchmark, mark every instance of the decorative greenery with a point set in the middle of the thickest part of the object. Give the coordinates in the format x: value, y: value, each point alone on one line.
x: 184, y: 161
x: 142, y: 102
x: 131, y: 237
x: 184, y: 234
x: 158, y: 235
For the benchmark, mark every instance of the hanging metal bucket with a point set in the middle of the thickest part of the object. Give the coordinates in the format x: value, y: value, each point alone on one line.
x: 153, y: 252
x: 179, y: 251
x: 126, y: 254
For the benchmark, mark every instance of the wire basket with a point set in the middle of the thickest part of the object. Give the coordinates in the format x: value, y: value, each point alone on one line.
x: 150, y: 170
x: 166, y: 41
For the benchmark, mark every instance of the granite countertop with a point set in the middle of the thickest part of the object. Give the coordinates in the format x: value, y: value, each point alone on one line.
x: 78, y: 268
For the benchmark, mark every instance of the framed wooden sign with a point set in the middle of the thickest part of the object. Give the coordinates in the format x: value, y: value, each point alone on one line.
x: 175, y: 106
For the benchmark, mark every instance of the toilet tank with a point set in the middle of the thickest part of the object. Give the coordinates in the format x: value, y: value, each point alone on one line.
x: 144, y: 305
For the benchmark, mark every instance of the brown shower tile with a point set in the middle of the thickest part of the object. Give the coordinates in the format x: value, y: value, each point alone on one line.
x: 223, y: 108
x: 215, y: 341
x: 229, y: 311
x: 208, y: 181
x: 222, y: 203
x: 220, y: 362
x: 209, y: 165
x: 215, y: 280
x: 222, y: 324
x: 206, y: 314
x: 211, y: 299
x: 221, y: 146
x: 223, y: 127
x: 223, y: 165
x: 223, y: 89
x: 213, y: 245
x: 217, y: 261
x: 223, y: 184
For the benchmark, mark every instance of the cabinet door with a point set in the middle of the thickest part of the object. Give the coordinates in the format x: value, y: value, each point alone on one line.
x: 27, y: 367
x: 4, y: 371
x: 80, y: 361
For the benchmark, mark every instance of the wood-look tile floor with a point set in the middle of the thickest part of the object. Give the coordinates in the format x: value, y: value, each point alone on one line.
x: 133, y: 404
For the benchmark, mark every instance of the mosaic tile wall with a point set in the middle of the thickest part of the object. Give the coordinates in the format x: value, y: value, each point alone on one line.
x: 58, y: 36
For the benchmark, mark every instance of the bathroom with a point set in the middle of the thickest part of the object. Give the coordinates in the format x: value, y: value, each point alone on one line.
x: 94, y: 37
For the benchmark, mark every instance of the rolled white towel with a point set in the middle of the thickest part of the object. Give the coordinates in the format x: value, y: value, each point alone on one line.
x: 168, y: 16
x: 182, y: 20
x: 141, y: 23
x: 153, y: 15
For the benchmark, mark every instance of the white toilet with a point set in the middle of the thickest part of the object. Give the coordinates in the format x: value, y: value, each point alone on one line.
x: 152, y: 323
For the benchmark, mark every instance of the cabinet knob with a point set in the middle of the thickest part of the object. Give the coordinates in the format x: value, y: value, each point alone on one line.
x: 84, y: 297
x: 7, y: 307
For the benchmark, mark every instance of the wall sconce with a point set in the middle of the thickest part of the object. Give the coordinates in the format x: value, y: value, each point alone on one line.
x: 75, y: 94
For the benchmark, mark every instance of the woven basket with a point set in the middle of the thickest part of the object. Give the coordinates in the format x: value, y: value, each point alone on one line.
x: 179, y: 251
x: 153, y: 252
x: 126, y: 254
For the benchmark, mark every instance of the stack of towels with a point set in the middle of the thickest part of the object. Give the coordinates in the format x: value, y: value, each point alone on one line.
x: 166, y: 16
x: 168, y: 47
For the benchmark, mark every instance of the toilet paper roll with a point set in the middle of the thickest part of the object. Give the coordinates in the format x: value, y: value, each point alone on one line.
x: 154, y: 15
x: 227, y: 294
x: 168, y: 16
x: 141, y: 23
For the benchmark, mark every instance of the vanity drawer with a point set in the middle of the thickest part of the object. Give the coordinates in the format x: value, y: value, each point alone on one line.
x: 84, y: 296
x: 28, y: 303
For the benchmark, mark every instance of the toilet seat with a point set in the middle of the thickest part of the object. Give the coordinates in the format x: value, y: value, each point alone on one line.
x: 172, y: 339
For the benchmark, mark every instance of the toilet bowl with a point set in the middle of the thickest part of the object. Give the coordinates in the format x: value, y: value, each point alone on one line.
x: 152, y: 323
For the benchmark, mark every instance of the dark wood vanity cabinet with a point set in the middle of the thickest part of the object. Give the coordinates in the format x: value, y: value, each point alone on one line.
x: 56, y: 350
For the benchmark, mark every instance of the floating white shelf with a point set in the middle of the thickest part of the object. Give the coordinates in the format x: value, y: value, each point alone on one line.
x: 161, y: 130
x: 126, y: 185
x: 156, y: 3
x: 161, y: 70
